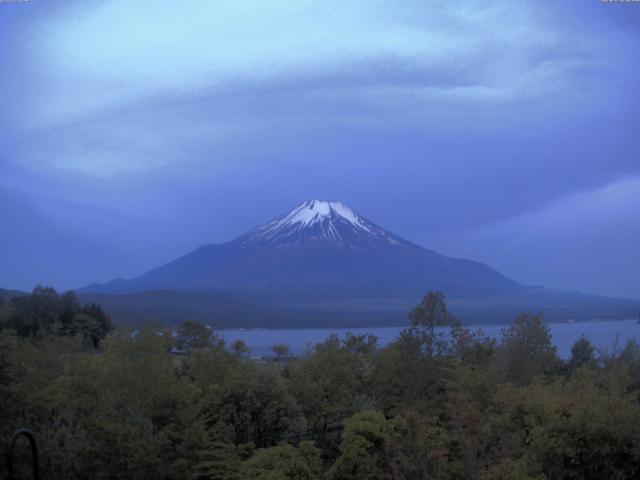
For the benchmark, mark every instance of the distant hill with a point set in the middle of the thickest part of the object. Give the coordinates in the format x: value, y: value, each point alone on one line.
x: 7, y: 295
x: 322, y: 263
x: 170, y: 307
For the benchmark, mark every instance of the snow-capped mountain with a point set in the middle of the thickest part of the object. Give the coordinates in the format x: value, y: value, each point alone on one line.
x: 319, y: 220
x: 322, y: 249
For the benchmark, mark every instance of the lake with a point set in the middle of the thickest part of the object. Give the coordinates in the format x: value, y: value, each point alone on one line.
x: 602, y: 335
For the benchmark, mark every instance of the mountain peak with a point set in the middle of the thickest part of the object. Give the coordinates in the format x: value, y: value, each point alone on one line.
x: 318, y: 220
x: 315, y: 211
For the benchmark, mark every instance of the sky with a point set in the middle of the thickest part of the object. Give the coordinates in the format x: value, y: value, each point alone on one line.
x: 505, y: 132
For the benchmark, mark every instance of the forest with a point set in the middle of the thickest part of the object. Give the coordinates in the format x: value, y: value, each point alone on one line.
x: 443, y: 401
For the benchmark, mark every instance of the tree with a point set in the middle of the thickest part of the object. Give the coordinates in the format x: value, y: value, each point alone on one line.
x: 327, y: 385
x: 208, y: 368
x: 367, y: 450
x: 509, y: 469
x: 429, y: 449
x: 252, y: 404
x: 45, y: 312
x: 416, y: 371
x: 283, y: 462
x: 280, y: 350
x: 87, y: 327
x: 472, y: 348
x: 364, y: 344
x: 432, y: 312
x: 427, y: 335
x: 627, y: 366
x: 193, y: 335
x: 34, y: 315
x: 240, y: 348
x: 583, y: 428
x: 96, y: 312
x: 582, y: 354
x: 527, y: 350
x: 221, y: 461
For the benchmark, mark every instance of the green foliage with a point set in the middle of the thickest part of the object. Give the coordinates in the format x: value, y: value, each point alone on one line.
x: 427, y: 335
x: 222, y: 461
x: 283, y: 462
x: 410, y: 446
x: 192, y: 335
x: 527, y: 350
x: 509, y: 469
x: 85, y: 326
x: 473, y: 348
x: 280, y: 350
x: 329, y: 385
x: 582, y: 355
x: 441, y: 402
x: 431, y: 348
x: 365, y: 344
x: 46, y: 312
x: 240, y: 348
x: 367, y: 448
x: 585, y: 428
x: 251, y: 404
x: 431, y: 312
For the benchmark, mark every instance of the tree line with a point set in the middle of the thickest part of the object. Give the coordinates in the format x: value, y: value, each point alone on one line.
x: 442, y: 401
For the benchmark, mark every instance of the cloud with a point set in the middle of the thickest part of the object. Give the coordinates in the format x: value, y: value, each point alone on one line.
x: 96, y: 58
x: 119, y: 90
x: 585, y: 241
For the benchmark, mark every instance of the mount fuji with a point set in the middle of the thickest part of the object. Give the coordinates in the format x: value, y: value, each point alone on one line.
x: 318, y: 248
x: 327, y: 261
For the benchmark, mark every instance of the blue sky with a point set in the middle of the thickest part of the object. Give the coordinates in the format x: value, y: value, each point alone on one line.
x: 506, y: 132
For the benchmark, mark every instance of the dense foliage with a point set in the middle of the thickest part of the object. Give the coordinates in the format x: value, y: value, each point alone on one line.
x: 441, y: 402
x: 45, y: 313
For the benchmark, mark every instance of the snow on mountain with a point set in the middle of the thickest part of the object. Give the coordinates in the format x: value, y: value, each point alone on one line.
x: 319, y: 220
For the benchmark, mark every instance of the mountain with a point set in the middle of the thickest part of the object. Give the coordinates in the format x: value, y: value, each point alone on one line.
x: 318, y: 249
x: 322, y: 260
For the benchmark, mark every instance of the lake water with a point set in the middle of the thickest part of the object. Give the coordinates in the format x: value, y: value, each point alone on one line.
x: 602, y: 335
